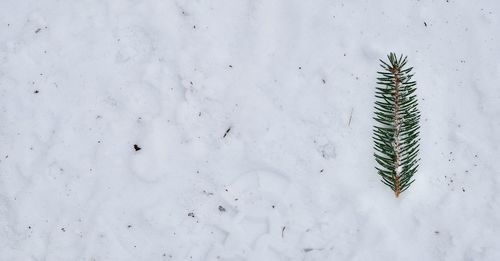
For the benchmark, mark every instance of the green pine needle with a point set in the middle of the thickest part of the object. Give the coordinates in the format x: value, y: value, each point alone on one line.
x: 396, y: 135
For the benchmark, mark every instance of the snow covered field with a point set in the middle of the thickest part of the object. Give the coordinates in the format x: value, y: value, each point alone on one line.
x: 241, y: 130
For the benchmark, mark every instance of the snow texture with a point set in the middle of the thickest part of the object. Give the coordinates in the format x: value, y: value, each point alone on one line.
x: 241, y: 130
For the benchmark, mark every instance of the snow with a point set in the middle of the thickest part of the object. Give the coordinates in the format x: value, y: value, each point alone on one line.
x: 291, y: 86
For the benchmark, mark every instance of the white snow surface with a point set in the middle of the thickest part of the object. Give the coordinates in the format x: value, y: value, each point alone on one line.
x: 82, y: 82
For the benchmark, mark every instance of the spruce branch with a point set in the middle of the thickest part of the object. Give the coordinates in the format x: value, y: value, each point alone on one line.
x: 396, y: 134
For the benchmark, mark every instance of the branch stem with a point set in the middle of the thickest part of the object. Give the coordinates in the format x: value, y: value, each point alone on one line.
x: 397, y: 132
